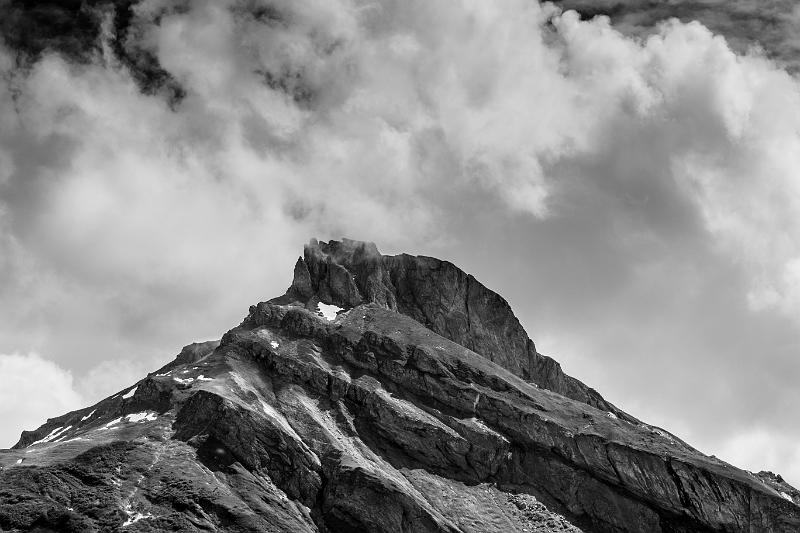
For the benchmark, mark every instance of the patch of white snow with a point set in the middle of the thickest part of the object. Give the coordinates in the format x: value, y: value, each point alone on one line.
x: 134, y: 517
x: 130, y: 393
x: 113, y: 422
x: 328, y: 311
x: 140, y: 417
x: 201, y: 377
x: 274, y: 345
x: 663, y: 434
x: 612, y: 415
x: 786, y: 497
x: 87, y: 417
x: 50, y: 436
x: 184, y: 381
x: 19, y: 461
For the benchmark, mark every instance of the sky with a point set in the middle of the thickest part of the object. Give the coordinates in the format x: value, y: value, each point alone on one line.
x: 633, y: 191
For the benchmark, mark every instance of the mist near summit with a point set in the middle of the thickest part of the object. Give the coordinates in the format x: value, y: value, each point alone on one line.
x: 633, y: 194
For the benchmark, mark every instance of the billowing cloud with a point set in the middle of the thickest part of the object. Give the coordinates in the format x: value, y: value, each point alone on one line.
x: 635, y: 198
x: 747, y: 24
x: 33, y: 389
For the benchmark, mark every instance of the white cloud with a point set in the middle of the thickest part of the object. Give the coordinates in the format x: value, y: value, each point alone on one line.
x: 402, y: 107
x: 760, y: 449
x: 33, y: 389
x: 109, y: 377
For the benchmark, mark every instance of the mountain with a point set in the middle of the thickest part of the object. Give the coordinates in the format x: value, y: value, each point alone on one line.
x: 379, y: 394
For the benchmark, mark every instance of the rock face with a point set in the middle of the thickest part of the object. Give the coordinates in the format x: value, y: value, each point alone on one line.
x: 380, y: 394
x: 438, y: 295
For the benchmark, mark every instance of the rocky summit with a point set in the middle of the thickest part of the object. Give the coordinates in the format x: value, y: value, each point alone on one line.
x: 379, y: 394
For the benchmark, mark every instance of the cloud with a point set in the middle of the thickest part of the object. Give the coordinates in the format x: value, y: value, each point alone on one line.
x: 642, y: 191
x: 746, y: 24
x: 760, y: 447
x: 33, y: 389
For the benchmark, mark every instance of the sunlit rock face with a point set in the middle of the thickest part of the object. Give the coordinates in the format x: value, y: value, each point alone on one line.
x: 379, y: 394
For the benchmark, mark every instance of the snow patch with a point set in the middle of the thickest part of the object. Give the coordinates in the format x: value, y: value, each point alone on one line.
x: 612, y: 416
x: 113, y: 422
x: 50, y: 436
x: 786, y: 497
x: 19, y: 462
x: 71, y: 440
x: 663, y: 434
x: 184, y: 381
x: 133, y: 516
x: 143, y: 416
x: 60, y: 438
x: 328, y: 311
x: 87, y: 417
x: 203, y: 378
x: 659, y: 431
x: 274, y: 345
x: 130, y: 393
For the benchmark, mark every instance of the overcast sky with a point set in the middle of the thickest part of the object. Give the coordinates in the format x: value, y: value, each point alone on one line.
x: 635, y: 197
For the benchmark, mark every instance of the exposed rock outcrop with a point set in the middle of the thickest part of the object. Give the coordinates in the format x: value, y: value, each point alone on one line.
x: 438, y: 295
x: 370, y: 419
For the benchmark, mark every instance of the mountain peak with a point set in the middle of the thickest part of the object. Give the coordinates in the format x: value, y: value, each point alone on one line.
x: 438, y: 295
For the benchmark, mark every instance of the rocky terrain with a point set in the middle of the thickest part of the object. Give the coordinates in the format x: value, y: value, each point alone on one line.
x: 379, y: 394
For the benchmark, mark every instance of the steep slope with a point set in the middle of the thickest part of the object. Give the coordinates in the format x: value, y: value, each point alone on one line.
x: 439, y: 296
x: 348, y: 405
